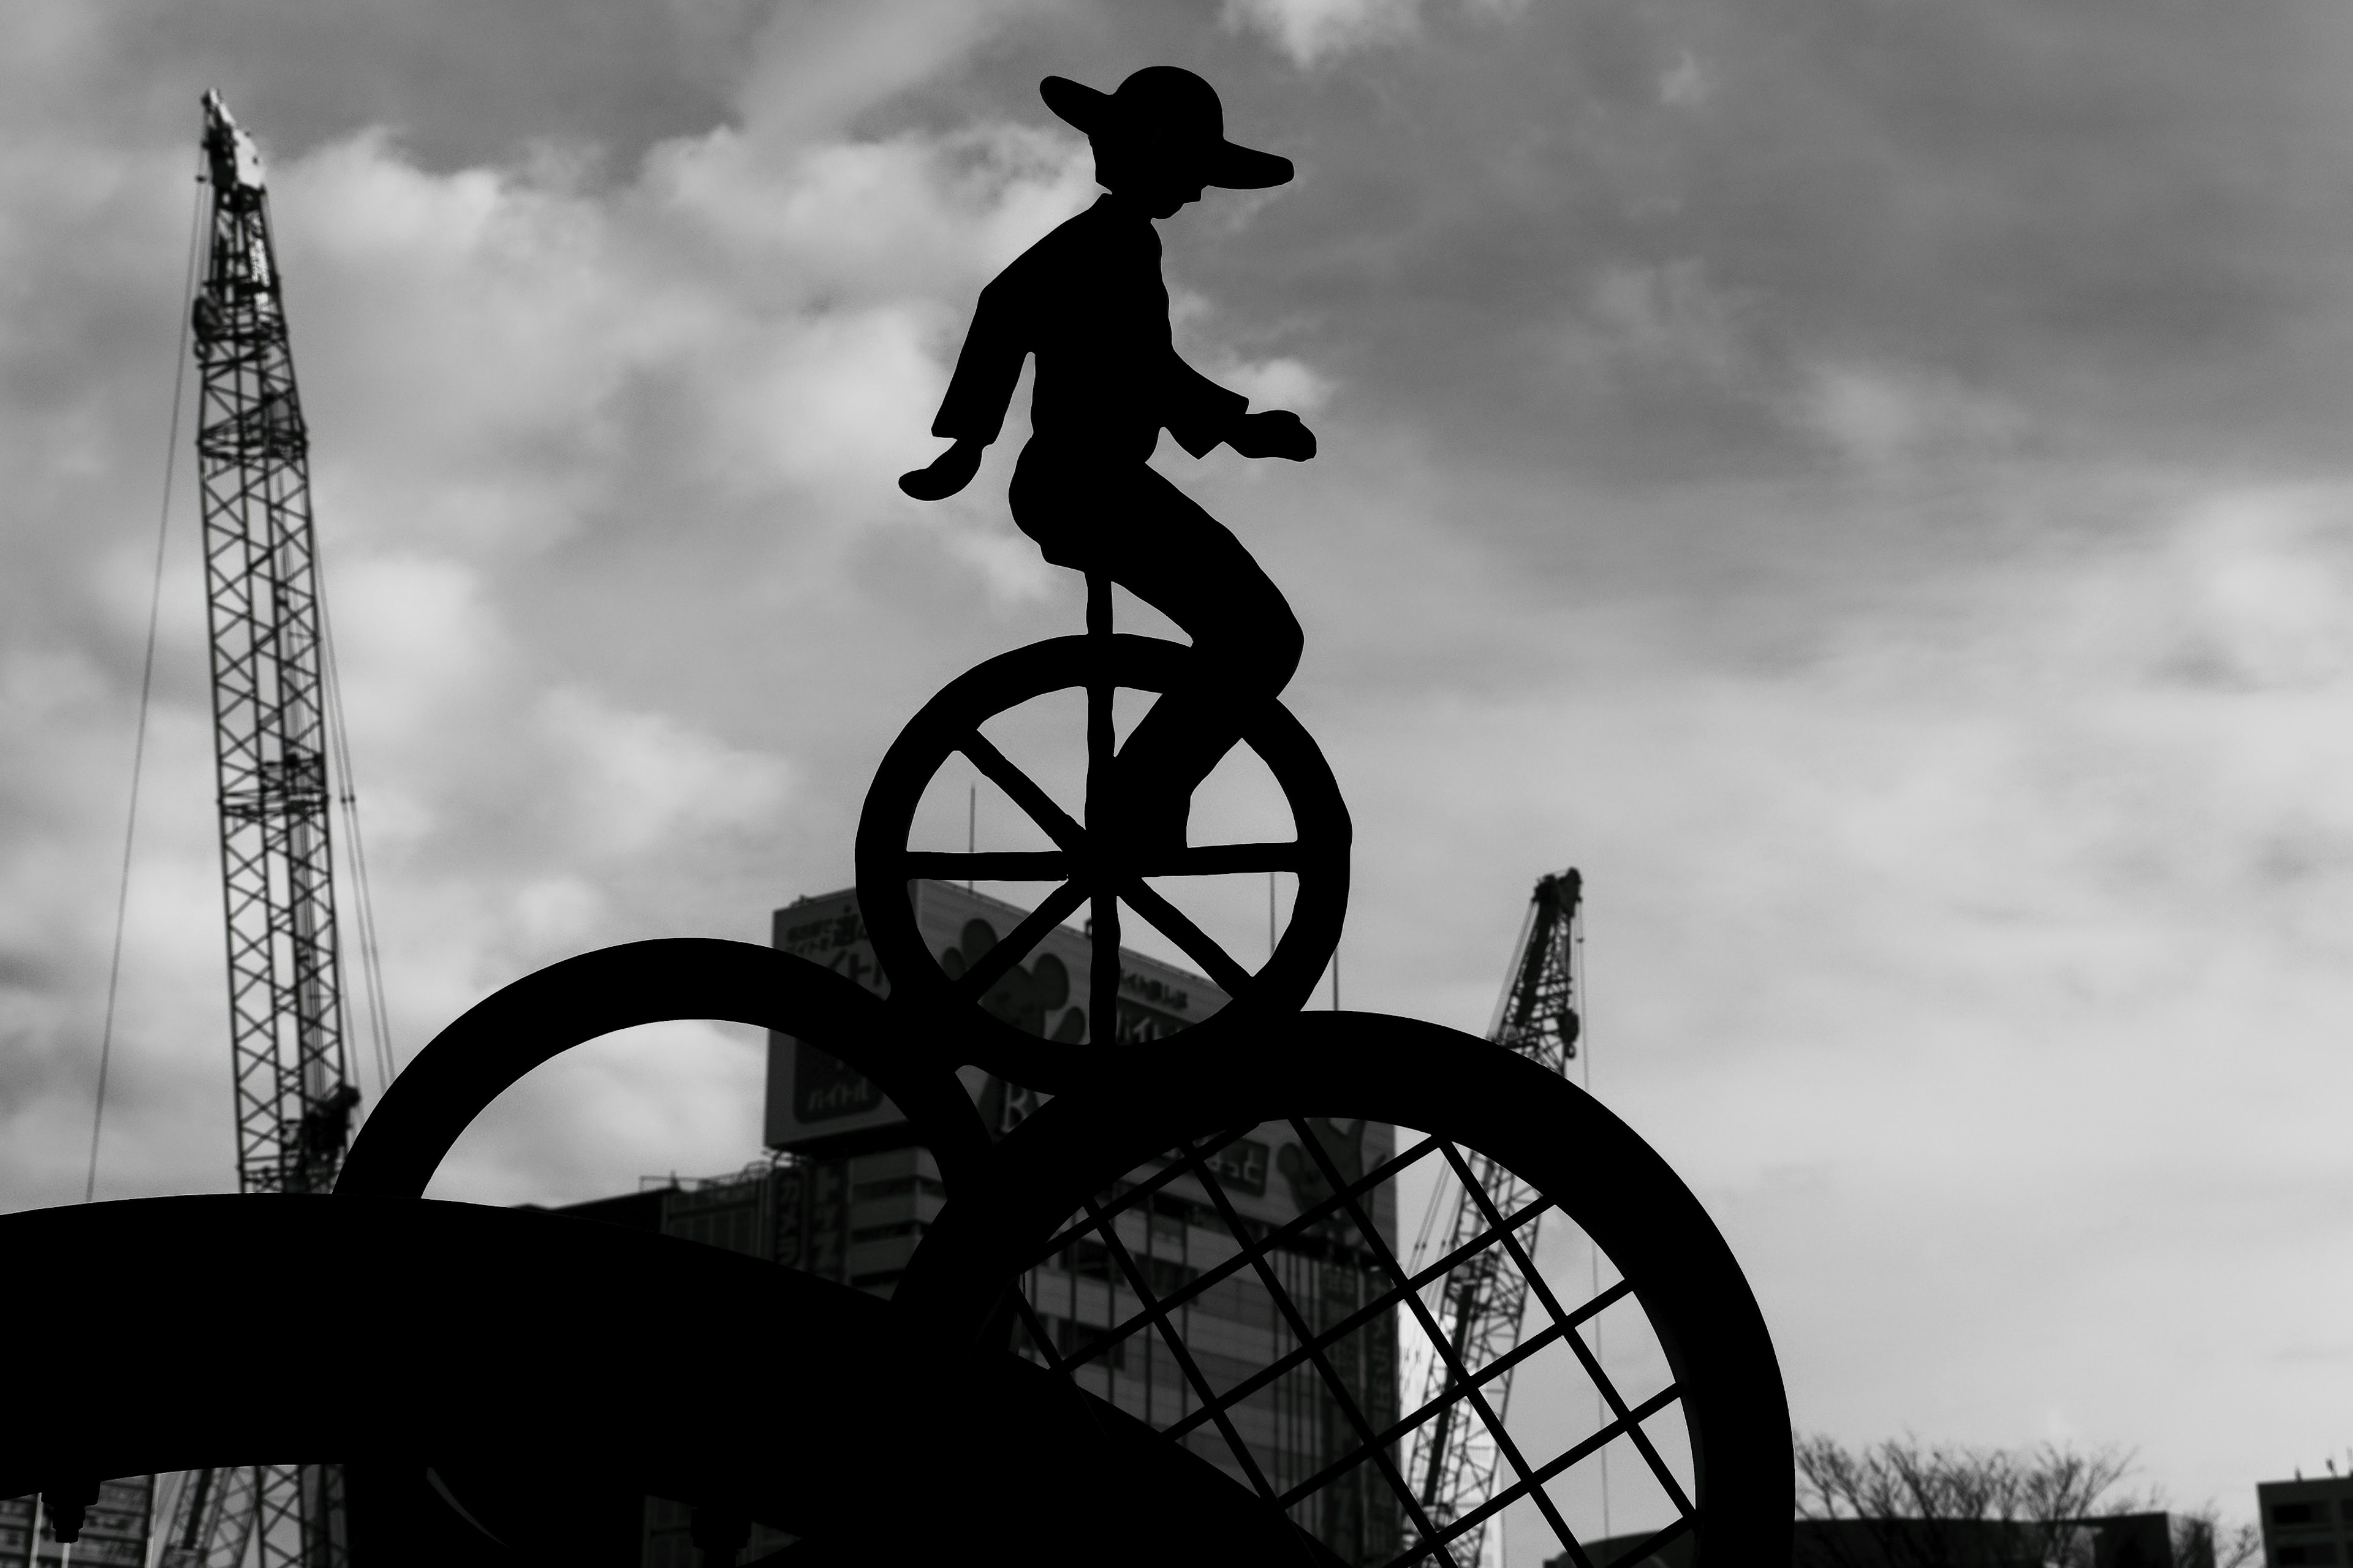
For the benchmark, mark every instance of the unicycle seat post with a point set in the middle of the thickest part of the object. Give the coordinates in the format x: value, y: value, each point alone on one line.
x: 1103, y: 807
x: 1098, y: 605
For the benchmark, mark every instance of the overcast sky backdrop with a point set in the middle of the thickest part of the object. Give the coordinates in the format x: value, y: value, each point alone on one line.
x: 1864, y: 480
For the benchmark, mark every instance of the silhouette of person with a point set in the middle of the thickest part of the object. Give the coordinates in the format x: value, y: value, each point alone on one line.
x: 1088, y: 302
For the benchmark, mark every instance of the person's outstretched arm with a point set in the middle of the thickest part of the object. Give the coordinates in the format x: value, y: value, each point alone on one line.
x: 972, y: 412
x: 1277, y: 432
x: 945, y: 474
x: 1200, y: 414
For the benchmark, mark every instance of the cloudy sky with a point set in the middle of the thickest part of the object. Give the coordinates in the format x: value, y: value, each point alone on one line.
x: 1864, y: 480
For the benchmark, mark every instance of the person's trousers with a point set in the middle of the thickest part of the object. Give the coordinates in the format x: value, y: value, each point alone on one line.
x: 1125, y: 521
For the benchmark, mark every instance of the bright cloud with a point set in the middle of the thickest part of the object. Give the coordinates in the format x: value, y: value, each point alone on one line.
x: 1313, y: 30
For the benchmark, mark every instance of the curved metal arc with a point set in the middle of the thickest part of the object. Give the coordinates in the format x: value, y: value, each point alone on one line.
x: 495, y: 1043
x: 1453, y: 1085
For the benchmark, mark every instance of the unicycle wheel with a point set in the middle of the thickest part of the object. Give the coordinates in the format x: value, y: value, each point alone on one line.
x: 1084, y: 865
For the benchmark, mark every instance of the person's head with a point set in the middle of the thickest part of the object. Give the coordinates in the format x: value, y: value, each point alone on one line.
x: 1144, y: 173
x: 1161, y: 138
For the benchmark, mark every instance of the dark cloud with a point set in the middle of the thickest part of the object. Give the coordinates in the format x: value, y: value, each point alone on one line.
x: 461, y: 83
x: 2120, y: 216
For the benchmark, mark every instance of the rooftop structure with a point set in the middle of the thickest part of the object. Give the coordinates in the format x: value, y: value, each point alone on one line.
x: 2113, y: 1541
x: 2306, y: 1523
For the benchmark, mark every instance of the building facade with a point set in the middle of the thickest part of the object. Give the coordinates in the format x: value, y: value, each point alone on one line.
x: 114, y: 1533
x: 2306, y: 1523
x: 1293, y: 1427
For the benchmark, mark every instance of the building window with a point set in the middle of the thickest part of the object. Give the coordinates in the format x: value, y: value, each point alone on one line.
x: 1078, y: 1341
x: 886, y: 1232
x: 2308, y: 1554
x: 2291, y: 1513
x: 1162, y: 1277
x: 891, y: 1186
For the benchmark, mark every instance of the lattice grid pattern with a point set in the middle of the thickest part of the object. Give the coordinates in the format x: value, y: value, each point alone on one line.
x: 1311, y: 1421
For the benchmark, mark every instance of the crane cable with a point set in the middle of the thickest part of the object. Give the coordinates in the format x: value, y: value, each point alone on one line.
x: 339, y: 740
x: 146, y: 691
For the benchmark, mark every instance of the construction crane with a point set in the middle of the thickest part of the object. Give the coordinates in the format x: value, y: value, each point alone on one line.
x: 1479, y: 1306
x: 293, y: 1093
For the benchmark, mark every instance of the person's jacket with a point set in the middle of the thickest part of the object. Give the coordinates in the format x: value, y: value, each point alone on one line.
x: 1088, y: 301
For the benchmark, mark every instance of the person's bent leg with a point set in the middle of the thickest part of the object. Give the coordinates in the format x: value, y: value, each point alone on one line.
x: 1246, y: 646
x: 1132, y: 526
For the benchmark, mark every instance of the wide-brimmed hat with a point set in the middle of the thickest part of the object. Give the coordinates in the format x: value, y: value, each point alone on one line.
x: 1177, y: 114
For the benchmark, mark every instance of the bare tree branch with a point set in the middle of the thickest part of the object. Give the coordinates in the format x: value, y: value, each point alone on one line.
x: 1904, y: 1504
x: 2201, y: 1540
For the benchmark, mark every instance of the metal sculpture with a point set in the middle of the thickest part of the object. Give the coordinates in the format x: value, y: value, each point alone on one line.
x: 1047, y: 1182
x: 1088, y: 302
x: 510, y: 1400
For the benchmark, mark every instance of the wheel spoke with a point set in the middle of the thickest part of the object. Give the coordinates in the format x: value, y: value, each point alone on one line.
x: 1171, y: 923
x: 991, y: 866
x: 1024, y: 790
x: 1223, y: 859
x: 973, y: 983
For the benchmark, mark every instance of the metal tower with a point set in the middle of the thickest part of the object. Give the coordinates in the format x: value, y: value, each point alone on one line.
x: 292, y: 1088
x: 1479, y: 1305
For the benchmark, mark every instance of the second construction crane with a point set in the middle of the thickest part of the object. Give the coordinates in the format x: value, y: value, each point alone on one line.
x: 289, y: 1065
x: 1482, y: 1302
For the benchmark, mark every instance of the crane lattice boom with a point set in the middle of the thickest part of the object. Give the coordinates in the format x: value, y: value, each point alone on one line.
x: 292, y: 1090
x: 1479, y: 1306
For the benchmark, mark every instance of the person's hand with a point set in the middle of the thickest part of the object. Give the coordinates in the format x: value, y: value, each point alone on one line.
x: 948, y: 473
x: 1277, y: 432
